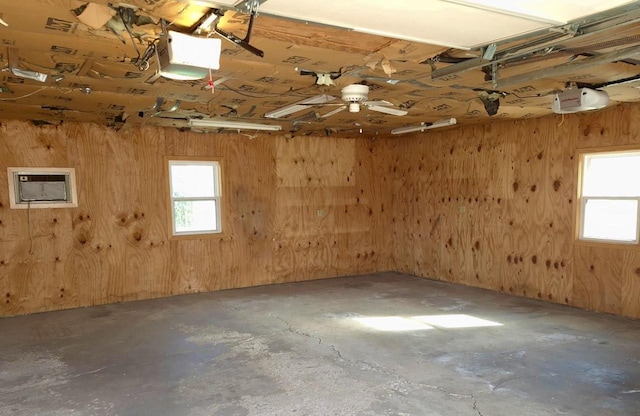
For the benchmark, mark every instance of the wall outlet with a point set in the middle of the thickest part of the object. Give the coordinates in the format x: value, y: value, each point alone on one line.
x: 321, y: 213
x: 462, y: 209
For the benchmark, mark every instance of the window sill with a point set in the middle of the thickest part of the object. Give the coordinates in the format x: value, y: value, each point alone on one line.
x: 208, y: 236
x: 602, y: 244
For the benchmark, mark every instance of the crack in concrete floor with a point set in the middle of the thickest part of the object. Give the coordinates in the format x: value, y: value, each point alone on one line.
x: 376, y: 367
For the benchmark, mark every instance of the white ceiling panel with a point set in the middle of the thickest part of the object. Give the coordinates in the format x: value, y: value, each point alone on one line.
x: 462, y: 24
x: 559, y: 11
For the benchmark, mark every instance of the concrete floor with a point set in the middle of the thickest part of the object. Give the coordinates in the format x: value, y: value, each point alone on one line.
x: 304, y: 349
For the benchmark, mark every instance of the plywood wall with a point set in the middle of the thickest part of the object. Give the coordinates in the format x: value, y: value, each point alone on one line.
x: 492, y: 206
x: 489, y: 206
x: 294, y: 209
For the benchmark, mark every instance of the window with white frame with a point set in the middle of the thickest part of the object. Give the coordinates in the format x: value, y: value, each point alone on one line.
x: 194, y: 187
x: 610, y: 197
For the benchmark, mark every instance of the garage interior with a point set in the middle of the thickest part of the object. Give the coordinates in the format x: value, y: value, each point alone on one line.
x: 419, y: 256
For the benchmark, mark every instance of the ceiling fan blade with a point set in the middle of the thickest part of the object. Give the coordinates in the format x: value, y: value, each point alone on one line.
x: 336, y: 111
x: 378, y: 102
x: 387, y: 110
x: 299, y: 106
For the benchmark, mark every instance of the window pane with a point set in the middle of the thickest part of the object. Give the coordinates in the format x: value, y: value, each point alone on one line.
x: 194, y: 180
x: 612, y: 175
x: 195, y: 216
x: 607, y: 219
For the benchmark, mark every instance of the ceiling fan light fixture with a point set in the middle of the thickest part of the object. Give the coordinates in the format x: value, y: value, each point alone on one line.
x: 232, y: 125
x: 354, y: 107
x: 424, y: 126
x: 355, y: 93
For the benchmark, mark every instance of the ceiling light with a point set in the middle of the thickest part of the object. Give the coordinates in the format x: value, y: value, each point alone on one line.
x: 233, y: 125
x: 424, y: 126
x: 24, y: 73
x: 207, y: 22
x: 299, y: 106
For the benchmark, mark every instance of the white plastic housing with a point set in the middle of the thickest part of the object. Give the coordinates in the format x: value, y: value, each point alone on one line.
x: 185, y: 57
x: 579, y: 99
x: 355, y: 92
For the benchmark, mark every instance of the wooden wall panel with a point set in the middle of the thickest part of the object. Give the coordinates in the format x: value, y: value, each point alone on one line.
x: 490, y: 206
x: 607, y: 128
x: 598, y: 280
x: 293, y: 209
x: 331, y: 197
x: 631, y: 284
x: 35, y: 255
x: 497, y: 204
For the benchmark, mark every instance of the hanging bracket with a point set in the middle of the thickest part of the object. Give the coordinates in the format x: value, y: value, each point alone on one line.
x: 243, y: 43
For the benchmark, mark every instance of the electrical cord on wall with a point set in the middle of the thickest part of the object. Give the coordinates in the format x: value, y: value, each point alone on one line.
x: 29, y: 225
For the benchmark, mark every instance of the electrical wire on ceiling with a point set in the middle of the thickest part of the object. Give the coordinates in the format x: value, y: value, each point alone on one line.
x: 24, y: 96
x: 93, y: 73
x: 127, y: 17
x: 267, y: 94
x: 542, y: 94
x: 250, y: 136
x: 126, y: 14
x: 244, y: 94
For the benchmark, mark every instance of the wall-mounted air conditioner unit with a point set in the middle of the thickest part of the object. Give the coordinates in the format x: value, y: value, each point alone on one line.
x: 42, y: 188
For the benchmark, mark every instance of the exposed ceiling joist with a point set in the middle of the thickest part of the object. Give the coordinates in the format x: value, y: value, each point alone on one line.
x: 569, y: 68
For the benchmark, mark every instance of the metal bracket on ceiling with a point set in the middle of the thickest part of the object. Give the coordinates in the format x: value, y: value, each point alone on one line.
x: 243, y: 43
x: 489, y: 52
x: 432, y: 62
x: 244, y: 6
x: 494, y: 74
x: 570, y: 67
x: 324, y: 79
x: 157, y: 109
x: 544, y: 41
x: 250, y: 6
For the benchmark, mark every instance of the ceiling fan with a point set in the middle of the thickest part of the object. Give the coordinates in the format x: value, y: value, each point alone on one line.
x: 354, y: 96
